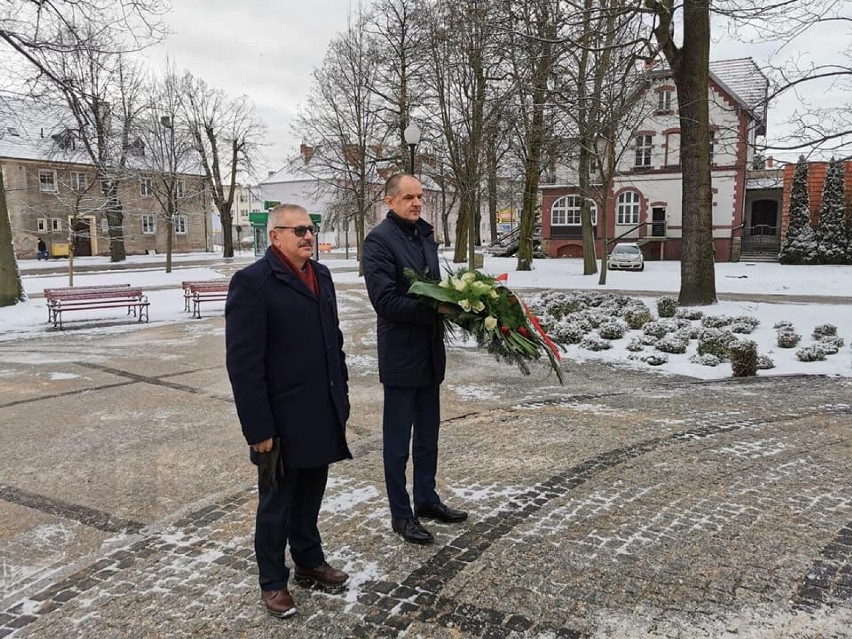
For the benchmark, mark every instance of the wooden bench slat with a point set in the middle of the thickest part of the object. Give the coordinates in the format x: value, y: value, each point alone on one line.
x: 93, y: 298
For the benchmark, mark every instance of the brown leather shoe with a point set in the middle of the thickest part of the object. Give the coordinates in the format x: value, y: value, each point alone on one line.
x: 324, y: 577
x: 278, y: 603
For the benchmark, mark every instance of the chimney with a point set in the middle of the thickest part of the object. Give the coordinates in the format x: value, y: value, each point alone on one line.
x: 770, y: 161
x: 307, y: 152
x: 270, y: 173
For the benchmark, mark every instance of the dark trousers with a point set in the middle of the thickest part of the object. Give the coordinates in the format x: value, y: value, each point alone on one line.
x: 406, y: 408
x: 289, y: 515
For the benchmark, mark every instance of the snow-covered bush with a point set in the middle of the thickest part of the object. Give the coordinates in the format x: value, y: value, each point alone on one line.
x: 716, y: 321
x: 595, y: 343
x: 659, y: 328
x: 705, y: 360
x: 741, y: 328
x: 782, y: 324
x: 648, y: 340
x: 655, y: 359
x: 787, y: 338
x: 811, y: 353
x: 689, y: 313
x: 824, y: 330
x: 637, y: 315
x: 615, y: 328
x: 567, y: 331
x: 715, y: 341
x: 686, y: 333
x: 831, y: 226
x: 635, y: 345
x: 667, y: 306
x: 834, y: 340
x: 671, y: 344
x: 764, y: 362
x: 829, y: 348
x: 743, y: 355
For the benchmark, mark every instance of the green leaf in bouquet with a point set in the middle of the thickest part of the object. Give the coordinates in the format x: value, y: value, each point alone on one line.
x: 432, y: 291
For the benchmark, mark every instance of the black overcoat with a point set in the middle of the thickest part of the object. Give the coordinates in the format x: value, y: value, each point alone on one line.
x: 284, y: 355
x: 410, y: 332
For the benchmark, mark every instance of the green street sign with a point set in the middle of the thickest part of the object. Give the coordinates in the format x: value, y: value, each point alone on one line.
x: 270, y: 204
x: 316, y: 218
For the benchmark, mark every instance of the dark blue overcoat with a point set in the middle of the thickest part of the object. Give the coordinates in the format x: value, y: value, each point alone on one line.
x: 410, y: 333
x: 284, y: 355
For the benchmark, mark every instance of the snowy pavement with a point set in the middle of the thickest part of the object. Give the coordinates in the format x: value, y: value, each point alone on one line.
x: 624, y: 504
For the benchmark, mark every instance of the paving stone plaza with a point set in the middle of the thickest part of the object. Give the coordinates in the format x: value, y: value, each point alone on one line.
x: 623, y: 504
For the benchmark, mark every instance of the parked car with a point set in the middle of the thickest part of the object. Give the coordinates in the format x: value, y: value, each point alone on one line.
x: 628, y: 256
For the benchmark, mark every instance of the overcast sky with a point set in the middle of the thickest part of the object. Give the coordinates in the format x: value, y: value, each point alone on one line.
x: 267, y: 50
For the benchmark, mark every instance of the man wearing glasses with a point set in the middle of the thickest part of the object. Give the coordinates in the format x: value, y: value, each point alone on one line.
x: 285, y: 360
x: 411, y: 357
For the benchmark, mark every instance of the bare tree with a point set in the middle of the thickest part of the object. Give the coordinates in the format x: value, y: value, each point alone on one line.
x: 464, y: 58
x: 227, y: 137
x: 29, y: 29
x: 169, y: 151
x: 342, y: 115
x: 690, y: 66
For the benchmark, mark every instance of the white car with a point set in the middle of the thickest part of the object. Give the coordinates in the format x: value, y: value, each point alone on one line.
x: 626, y: 256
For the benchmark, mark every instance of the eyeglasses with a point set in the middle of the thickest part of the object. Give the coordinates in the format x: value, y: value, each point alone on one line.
x: 299, y: 231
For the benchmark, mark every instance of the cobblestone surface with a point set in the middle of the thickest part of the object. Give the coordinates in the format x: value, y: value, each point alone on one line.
x: 624, y: 504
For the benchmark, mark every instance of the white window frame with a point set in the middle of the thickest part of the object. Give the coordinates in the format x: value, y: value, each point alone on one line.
x: 566, y: 211
x: 664, y: 100
x: 644, y: 147
x: 42, y: 185
x: 146, y: 187
x: 149, y: 224
x: 712, y: 145
x: 181, y: 224
x: 41, y: 225
x: 55, y: 225
x: 104, y: 226
x: 79, y: 181
x: 628, y: 208
x: 179, y: 188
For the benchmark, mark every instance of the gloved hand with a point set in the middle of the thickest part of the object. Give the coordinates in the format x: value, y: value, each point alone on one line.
x: 270, y: 465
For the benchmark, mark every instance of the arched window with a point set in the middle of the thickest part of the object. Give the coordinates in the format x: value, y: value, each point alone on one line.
x: 566, y: 211
x: 627, y: 208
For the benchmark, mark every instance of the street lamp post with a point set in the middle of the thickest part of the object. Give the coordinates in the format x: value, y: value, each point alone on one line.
x: 412, y: 138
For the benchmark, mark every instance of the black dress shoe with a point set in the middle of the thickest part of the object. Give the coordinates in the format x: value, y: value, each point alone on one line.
x: 412, y: 531
x: 440, y: 512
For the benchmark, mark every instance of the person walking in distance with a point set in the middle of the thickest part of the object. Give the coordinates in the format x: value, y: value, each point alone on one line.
x: 412, y: 359
x: 285, y: 361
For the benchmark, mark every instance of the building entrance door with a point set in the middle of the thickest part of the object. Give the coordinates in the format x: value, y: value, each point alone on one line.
x: 82, y: 238
x: 658, y: 222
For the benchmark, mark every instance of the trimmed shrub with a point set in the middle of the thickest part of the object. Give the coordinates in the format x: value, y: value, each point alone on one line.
x: 834, y: 340
x: 659, y: 328
x: 648, y: 340
x: 743, y: 355
x: 666, y: 306
x: 764, y: 362
x: 788, y: 338
x: 824, y: 330
x: 742, y: 328
x: 716, y: 321
x: 635, y: 345
x: 705, y: 360
x: 811, y: 353
x: 568, y: 332
x: 715, y: 342
x: 829, y: 348
x: 613, y: 329
x: 595, y: 343
x: 689, y: 313
x: 671, y: 344
x: 783, y: 324
x: 655, y: 359
x: 637, y: 315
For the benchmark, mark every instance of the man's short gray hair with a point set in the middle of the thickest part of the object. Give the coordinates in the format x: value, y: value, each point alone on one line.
x: 281, y: 209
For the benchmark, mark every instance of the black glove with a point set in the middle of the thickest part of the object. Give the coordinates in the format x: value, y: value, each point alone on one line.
x: 270, y: 465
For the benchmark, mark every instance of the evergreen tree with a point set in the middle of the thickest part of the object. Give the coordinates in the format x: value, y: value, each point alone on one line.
x: 831, y: 228
x: 799, y: 246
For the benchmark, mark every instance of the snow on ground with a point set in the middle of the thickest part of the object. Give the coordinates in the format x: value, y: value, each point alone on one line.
x: 29, y: 319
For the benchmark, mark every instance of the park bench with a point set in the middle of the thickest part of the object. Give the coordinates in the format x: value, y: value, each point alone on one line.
x: 187, y: 289
x: 204, y: 291
x: 81, y: 298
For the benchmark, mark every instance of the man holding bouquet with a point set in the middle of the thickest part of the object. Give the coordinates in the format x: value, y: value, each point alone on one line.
x: 412, y: 360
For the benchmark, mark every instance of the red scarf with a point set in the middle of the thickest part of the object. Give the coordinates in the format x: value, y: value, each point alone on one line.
x: 307, y: 275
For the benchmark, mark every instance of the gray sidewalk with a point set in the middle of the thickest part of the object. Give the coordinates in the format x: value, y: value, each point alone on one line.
x: 624, y: 504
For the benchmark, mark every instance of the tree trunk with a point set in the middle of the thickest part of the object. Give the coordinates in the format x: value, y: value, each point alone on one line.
x: 492, y: 186
x: 11, y: 289
x: 115, y: 219
x: 227, y: 233
x: 691, y: 75
x: 170, y: 234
